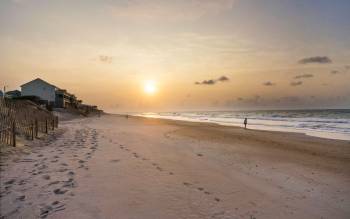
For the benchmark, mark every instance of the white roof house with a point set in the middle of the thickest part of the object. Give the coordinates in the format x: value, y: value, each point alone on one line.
x: 40, y: 88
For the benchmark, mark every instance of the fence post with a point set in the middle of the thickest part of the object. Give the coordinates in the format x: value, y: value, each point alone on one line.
x: 46, y: 130
x: 32, y: 130
x: 36, y: 128
x: 14, y: 134
x: 56, y: 118
x: 53, y: 123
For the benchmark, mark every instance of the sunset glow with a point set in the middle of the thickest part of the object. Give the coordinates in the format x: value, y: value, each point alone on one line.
x: 150, y: 87
x: 222, y: 54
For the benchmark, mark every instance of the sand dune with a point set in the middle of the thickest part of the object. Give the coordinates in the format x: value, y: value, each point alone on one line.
x: 113, y: 167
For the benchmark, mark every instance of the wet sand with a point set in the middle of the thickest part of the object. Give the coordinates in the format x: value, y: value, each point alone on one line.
x: 113, y: 167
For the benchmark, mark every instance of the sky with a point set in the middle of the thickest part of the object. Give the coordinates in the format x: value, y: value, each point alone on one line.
x: 199, y: 54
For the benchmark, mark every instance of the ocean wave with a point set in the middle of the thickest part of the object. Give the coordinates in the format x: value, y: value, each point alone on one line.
x: 323, y: 121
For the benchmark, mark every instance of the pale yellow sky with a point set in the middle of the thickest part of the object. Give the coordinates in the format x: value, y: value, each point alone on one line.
x: 104, y: 51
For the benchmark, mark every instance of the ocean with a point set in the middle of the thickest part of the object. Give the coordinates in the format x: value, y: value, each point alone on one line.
x: 329, y: 123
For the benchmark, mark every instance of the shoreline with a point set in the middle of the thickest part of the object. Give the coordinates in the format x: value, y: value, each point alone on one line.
x: 236, y: 126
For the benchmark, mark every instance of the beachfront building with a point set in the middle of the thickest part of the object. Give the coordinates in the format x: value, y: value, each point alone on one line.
x: 43, y: 92
x: 40, y: 88
x: 49, y: 93
x: 13, y: 94
x: 65, y: 99
x: 86, y: 109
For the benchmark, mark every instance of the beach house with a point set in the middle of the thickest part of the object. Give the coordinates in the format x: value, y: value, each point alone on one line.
x: 13, y: 94
x: 40, y: 88
x: 43, y: 92
x: 65, y: 99
x: 49, y: 93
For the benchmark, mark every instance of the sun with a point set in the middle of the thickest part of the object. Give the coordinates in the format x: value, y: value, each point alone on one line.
x: 150, y: 87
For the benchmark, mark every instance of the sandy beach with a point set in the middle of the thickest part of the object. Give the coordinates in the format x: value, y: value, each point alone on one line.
x: 114, y: 167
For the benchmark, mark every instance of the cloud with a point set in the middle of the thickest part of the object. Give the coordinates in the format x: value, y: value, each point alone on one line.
x: 105, y: 59
x: 207, y: 82
x: 212, y: 81
x: 296, y: 83
x: 315, y: 59
x: 304, y: 76
x: 160, y: 10
x: 269, y: 83
x: 223, y: 78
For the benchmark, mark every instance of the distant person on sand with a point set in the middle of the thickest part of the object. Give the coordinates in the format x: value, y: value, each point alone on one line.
x: 245, y: 123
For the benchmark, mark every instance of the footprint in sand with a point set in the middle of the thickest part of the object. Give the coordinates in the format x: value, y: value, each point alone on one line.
x: 45, y: 210
x: 186, y: 184
x: 115, y: 161
x: 53, y: 183
x: 21, y: 198
x: 42, y: 167
x: 46, y: 177
x: 62, y: 170
x: 200, y: 155
x: 10, y: 182
x: 22, y: 182
x: 69, y: 183
x: 60, y: 191
x: 202, y: 190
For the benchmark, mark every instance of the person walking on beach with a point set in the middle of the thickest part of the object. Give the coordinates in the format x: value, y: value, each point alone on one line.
x: 245, y: 123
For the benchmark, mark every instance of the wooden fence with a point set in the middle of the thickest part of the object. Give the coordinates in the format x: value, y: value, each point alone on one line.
x: 23, y: 118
